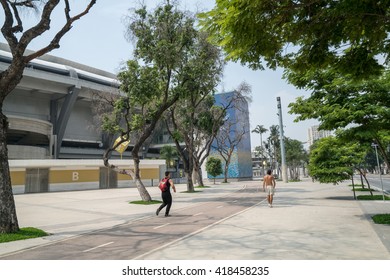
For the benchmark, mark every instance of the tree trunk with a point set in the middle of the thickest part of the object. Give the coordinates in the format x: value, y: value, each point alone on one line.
x: 200, y: 177
x: 197, y: 174
x: 138, y: 182
x: 8, y: 218
x: 226, y: 173
x: 190, y: 183
x: 194, y: 175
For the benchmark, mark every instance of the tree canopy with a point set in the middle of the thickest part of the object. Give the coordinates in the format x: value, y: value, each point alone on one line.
x: 333, y: 160
x: 214, y: 167
x: 360, y: 108
x: 172, y: 62
x: 352, y: 35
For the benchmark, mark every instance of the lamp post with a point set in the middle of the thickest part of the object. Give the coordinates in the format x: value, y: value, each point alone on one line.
x: 282, y: 149
x: 379, y: 168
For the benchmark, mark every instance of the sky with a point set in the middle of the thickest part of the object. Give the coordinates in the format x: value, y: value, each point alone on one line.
x: 98, y: 40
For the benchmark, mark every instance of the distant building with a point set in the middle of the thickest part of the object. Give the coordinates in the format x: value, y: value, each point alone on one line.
x: 240, y: 167
x: 314, y: 133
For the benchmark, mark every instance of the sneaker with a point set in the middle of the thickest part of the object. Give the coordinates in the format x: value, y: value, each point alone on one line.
x: 269, y: 204
x: 167, y: 215
x: 157, y: 211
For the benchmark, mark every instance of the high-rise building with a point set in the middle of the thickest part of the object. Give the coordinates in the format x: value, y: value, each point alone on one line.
x: 314, y: 133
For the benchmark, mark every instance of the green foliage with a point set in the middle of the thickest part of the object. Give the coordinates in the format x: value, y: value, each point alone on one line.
x: 359, y: 109
x: 303, y: 35
x: 332, y: 160
x: 381, y: 219
x: 168, y: 153
x: 172, y: 61
x: 296, y: 156
x: 372, y: 197
x: 23, y: 233
x: 214, y: 166
x: 162, y: 71
x: 338, y: 101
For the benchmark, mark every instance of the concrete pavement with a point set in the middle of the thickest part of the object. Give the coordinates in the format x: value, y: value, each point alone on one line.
x: 308, y: 221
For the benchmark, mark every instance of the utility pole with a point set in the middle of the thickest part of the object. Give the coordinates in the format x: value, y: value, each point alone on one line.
x: 375, y: 145
x: 282, y: 149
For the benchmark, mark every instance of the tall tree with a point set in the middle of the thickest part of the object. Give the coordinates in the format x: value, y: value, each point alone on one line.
x: 195, y: 125
x: 164, y: 69
x: 274, y: 146
x: 303, y: 35
x: 227, y: 141
x: 178, y: 64
x: 260, y: 129
x: 360, y: 108
x: 233, y: 131
x: 18, y: 39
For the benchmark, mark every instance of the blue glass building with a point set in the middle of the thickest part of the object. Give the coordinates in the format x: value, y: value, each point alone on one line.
x: 237, y: 122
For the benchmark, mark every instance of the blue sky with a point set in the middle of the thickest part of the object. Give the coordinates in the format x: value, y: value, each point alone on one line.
x: 98, y: 40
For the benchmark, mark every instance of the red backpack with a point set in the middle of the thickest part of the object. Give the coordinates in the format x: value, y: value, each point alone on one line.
x: 163, y: 184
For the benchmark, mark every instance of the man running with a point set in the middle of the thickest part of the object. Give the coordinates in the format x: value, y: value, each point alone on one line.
x: 270, y: 184
x: 166, y: 195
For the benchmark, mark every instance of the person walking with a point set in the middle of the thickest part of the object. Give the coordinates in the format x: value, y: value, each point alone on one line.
x: 269, y: 184
x: 166, y: 194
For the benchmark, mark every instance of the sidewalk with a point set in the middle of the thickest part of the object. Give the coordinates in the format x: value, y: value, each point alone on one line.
x: 308, y: 221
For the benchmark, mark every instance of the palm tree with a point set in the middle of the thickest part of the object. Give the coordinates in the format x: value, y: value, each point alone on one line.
x: 274, y: 143
x: 168, y: 153
x: 260, y: 129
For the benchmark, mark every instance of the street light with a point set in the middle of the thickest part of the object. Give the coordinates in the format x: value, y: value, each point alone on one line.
x: 379, y: 168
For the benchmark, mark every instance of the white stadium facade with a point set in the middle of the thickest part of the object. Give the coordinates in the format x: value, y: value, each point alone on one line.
x: 50, y: 114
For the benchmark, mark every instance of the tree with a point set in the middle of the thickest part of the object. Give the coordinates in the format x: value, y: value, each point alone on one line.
x: 274, y: 146
x: 163, y: 71
x: 333, y: 160
x: 360, y: 108
x: 194, y: 120
x: 303, y: 35
x: 227, y: 141
x: 260, y: 129
x: 195, y: 125
x: 18, y: 41
x: 233, y: 130
x: 169, y: 153
x: 214, y: 167
x: 296, y: 156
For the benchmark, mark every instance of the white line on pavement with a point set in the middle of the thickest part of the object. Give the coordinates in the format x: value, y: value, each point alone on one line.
x: 161, y: 226
x: 197, y: 214
x: 106, y: 244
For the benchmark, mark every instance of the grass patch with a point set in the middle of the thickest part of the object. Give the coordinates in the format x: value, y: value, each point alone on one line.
x: 192, y: 192
x: 382, y: 219
x: 141, y: 202
x: 23, y: 233
x: 356, y: 185
x: 372, y: 197
x: 202, y: 187
x: 363, y: 190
